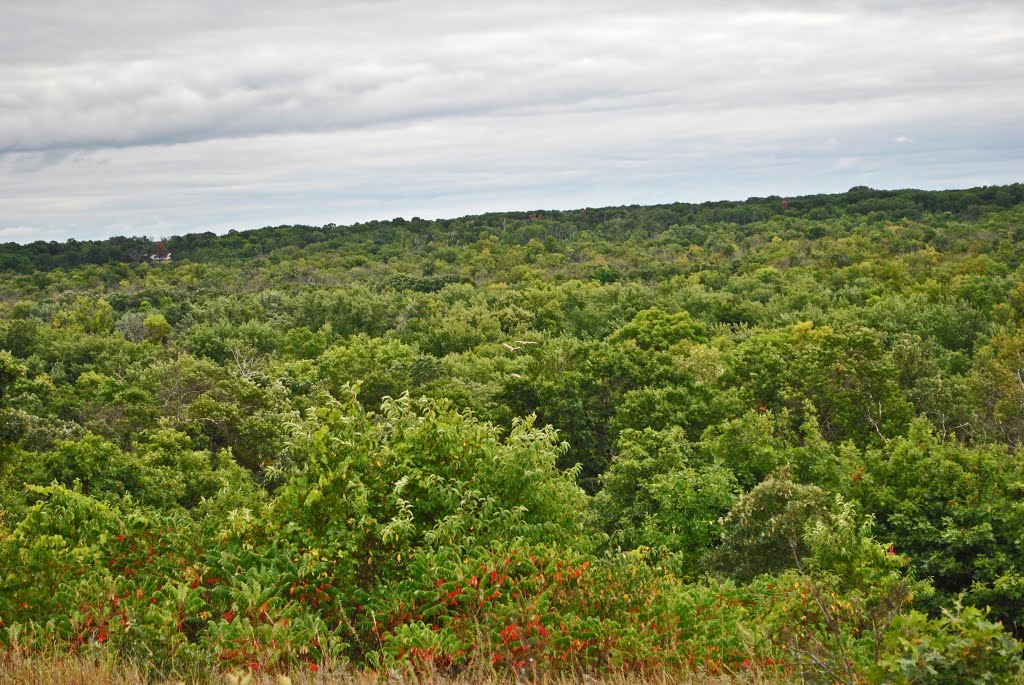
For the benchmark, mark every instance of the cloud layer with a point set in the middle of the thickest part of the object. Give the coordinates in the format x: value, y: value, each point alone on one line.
x: 162, y: 118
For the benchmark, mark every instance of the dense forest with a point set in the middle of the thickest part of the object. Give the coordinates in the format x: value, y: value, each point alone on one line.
x: 779, y: 436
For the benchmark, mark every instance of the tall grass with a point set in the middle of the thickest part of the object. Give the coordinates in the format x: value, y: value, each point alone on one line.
x: 20, y: 670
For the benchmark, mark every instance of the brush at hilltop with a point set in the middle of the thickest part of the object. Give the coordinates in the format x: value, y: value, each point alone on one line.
x: 760, y: 441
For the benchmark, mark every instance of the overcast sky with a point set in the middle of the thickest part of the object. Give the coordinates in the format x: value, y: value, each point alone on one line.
x: 130, y: 117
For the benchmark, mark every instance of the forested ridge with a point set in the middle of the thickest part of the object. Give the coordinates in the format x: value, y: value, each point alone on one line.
x: 612, y: 223
x: 777, y: 436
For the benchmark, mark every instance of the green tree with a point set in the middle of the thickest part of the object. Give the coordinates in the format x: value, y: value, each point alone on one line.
x: 156, y: 328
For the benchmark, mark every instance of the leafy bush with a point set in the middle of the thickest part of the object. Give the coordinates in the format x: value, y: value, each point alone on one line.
x: 961, y: 646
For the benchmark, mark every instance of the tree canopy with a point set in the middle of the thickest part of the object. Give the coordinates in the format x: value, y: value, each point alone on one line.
x: 781, y: 434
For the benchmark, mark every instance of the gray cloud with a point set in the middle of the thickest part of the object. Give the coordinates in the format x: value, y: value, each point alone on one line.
x: 168, y: 117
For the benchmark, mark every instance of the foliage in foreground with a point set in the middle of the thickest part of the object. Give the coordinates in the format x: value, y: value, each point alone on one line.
x: 421, y: 536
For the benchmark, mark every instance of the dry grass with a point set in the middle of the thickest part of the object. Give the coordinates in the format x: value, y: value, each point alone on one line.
x: 15, y: 670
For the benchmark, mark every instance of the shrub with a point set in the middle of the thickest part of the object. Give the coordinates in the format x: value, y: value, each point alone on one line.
x: 961, y: 646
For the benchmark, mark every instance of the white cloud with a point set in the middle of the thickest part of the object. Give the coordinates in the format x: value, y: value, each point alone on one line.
x: 173, y: 117
x: 19, y: 234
